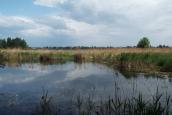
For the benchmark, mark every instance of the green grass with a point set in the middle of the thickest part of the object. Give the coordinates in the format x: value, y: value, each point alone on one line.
x: 64, y: 55
x: 162, y: 60
x: 26, y: 56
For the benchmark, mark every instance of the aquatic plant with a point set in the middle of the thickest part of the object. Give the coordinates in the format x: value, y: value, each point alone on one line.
x: 45, y: 107
x: 158, y: 104
x: 163, y: 61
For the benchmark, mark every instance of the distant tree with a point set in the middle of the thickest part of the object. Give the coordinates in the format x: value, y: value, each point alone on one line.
x: 19, y: 43
x: 162, y: 46
x: 24, y: 44
x: 3, y: 43
x: 9, y: 42
x: 144, y: 43
x: 13, y: 43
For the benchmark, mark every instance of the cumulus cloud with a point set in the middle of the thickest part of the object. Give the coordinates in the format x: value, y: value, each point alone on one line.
x: 54, y: 28
x: 95, y: 22
x: 127, y: 20
x: 22, y: 25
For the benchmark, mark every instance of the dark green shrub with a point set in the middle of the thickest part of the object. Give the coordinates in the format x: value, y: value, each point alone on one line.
x: 144, y: 43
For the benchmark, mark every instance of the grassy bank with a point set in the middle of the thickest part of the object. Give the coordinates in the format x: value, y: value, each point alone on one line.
x: 21, y: 56
x: 147, y: 61
x: 130, y: 59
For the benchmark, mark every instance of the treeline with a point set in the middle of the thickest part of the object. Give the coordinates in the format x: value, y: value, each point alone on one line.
x: 13, y: 43
x: 76, y: 47
x: 145, y: 43
x: 94, y: 47
x: 21, y: 43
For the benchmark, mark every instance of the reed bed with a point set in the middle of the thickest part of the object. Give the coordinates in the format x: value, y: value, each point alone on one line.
x: 158, y: 104
x: 157, y: 61
x: 132, y: 59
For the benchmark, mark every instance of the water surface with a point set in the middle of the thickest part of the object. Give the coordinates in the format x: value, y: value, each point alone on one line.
x: 21, y: 87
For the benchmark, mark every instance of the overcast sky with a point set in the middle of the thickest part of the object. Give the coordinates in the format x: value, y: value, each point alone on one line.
x: 87, y: 22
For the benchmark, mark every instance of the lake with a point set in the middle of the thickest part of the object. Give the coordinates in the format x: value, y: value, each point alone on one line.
x: 22, y: 86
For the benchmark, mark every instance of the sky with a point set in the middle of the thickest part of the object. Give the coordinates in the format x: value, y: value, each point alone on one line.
x: 87, y: 22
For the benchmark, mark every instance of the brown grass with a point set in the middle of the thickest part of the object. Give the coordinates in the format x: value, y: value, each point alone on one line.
x: 93, y: 51
x: 88, y: 54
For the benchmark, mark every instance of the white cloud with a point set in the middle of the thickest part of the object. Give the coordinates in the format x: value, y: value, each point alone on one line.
x: 11, y: 21
x: 79, y: 28
x: 42, y: 28
x: 24, y: 26
x: 48, y: 3
x: 85, y: 33
x: 39, y: 31
x: 95, y: 22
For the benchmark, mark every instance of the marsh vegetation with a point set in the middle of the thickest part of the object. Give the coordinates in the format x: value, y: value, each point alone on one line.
x: 158, y: 104
x: 128, y: 59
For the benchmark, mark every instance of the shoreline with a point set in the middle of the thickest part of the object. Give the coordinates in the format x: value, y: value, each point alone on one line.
x: 149, y: 60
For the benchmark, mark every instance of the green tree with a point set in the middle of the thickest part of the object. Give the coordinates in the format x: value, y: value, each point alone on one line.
x: 144, y: 43
x: 13, y: 43
x: 3, y: 43
x: 9, y: 42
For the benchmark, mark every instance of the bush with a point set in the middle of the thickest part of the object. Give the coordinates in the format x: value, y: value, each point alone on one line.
x: 144, y: 43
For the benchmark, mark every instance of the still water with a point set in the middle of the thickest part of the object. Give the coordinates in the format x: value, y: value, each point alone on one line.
x: 21, y: 87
